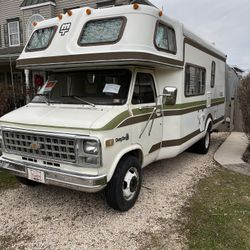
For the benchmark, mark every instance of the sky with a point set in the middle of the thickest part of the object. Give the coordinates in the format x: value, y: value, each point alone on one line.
x: 223, y: 22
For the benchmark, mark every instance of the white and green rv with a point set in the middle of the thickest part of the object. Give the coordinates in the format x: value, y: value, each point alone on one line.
x: 125, y: 86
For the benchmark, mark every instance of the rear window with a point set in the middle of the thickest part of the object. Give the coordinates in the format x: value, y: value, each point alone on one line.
x: 102, y: 31
x: 41, y: 38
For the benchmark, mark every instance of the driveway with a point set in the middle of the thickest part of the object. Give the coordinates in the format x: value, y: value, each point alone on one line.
x: 54, y: 218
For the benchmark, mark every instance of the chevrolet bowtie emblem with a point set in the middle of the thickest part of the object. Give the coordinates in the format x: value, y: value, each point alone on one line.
x: 35, y: 146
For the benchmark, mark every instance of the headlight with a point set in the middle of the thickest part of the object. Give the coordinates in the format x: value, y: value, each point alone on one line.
x: 90, y: 147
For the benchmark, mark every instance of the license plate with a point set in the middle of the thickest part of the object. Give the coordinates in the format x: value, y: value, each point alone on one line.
x: 36, y: 175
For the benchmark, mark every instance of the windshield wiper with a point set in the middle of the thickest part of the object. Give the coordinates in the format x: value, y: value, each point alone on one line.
x: 82, y: 100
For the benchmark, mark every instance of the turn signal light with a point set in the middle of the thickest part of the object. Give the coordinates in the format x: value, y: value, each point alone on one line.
x: 34, y: 24
x: 160, y: 13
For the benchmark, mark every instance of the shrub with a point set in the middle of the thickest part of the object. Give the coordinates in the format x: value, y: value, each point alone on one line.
x: 7, y: 99
x: 244, y: 100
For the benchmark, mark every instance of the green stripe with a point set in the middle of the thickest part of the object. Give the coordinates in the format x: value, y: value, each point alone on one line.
x: 115, y: 122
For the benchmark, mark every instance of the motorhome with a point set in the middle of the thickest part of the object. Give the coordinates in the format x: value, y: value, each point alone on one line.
x: 125, y: 86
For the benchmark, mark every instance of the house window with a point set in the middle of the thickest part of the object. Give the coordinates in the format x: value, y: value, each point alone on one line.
x: 102, y: 31
x: 213, y: 66
x: 144, y: 91
x: 165, y: 38
x: 14, y: 33
x: 195, y: 80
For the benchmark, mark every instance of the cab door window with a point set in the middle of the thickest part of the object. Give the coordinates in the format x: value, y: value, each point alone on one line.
x: 144, y: 90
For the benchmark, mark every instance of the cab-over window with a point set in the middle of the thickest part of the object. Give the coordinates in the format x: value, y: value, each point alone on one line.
x: 165, y: 38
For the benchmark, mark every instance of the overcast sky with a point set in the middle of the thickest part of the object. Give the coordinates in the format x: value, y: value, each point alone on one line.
x: 223, y: 22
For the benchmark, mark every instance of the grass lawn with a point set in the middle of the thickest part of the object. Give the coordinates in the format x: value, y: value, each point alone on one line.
x: 7, y: 180
x: 219, y: 213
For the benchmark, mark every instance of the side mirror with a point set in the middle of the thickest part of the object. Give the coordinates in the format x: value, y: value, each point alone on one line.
x: 169, y: 95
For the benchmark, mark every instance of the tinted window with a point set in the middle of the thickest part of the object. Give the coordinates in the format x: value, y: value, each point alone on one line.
x: 213, y: 66
x: 144, y: 91
x: 102, y: 31
x: 194, y: 80
x: 165, y: 38
x: 41, y: 38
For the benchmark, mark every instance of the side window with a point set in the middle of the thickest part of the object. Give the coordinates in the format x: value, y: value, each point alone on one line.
x: 14, y: 33
x: 195, y: 80
x: 165, y: 38
x: 144, y: 91
x: 41, y: 39
x: 102, y: 31
x: 213, y: 67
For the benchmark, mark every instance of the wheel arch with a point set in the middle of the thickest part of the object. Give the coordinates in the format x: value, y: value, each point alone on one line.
x: 134, y: 150
x: 209, y: 123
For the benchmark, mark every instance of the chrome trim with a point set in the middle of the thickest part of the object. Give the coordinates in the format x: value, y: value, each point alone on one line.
x: 58, y: 177
x: 78, y: 140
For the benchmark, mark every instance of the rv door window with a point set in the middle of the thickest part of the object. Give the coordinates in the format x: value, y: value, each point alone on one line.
x: 165, y: 38
x: 195, y: 81
x: 41, y: 39
x: 102, y: 31
x: 97, y: 87
x: 144, y: 91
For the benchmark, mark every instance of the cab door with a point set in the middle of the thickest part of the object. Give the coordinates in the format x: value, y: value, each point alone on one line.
x: 147, y: 115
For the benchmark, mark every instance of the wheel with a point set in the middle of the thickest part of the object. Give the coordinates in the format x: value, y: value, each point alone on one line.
x: 202, y: 146
x: 124, y: 187
x: 27, y: 182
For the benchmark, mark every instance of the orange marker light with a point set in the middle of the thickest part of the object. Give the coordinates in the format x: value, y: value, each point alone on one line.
x: 60, y: 16
x: 88, y: 11
x: 34, y: 24
x: 135, y: 6
x: 160, y: 13
x: 69, y: 12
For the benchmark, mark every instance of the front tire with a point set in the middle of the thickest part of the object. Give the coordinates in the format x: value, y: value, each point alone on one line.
x: 123, y: 189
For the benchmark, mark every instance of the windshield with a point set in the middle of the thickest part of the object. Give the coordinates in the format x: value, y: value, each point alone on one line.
x: 98, y: 87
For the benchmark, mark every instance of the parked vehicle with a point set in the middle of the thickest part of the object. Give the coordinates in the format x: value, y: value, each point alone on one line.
x: 126, y: 86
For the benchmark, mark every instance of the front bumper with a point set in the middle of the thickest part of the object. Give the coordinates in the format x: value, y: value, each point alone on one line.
x: 57, y: 177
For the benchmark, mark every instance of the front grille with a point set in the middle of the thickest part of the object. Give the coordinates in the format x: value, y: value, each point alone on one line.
x: 45, y: 146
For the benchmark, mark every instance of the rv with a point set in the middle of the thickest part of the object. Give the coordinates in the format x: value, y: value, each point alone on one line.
x: 125, y: 86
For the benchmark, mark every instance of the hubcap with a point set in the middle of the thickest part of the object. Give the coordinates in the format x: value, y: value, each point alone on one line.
x: 207, y: 140
x: 130, y: 183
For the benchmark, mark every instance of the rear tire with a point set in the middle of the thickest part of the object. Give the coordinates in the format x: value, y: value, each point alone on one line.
x: 202, y: 146
x: 27, y: 182
x: 123, y: 189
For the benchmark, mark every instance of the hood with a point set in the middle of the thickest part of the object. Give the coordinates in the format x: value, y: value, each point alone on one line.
x: 76, y: 117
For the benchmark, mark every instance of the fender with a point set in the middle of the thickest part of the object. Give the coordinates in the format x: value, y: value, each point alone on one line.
x: 118, y: 158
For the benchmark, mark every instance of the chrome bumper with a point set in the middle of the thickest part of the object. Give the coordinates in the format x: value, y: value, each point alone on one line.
x: 57, y: 177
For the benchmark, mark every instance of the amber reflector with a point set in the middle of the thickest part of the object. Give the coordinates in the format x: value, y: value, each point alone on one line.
x: 109, y: 142
x: 60, y: 16
x: 69, y: 12
x: 34, y: 24
x: 135, y: 6
x: 160, y: 13
x: 88, y: 11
